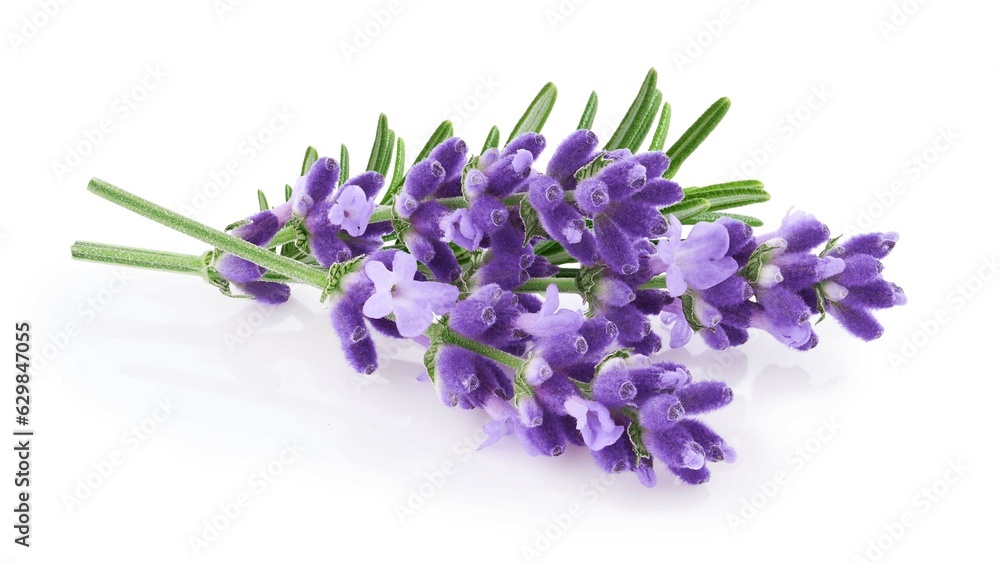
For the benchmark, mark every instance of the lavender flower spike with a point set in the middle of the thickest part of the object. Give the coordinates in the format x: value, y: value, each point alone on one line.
x: 414, y: 303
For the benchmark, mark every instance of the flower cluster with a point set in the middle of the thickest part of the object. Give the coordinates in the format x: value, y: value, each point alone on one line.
x: 459, y: 258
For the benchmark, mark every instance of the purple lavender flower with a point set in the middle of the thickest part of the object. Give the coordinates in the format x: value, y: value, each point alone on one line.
x: 550, y: 320
x: 699, y: 261
x: 413, y: 303
x: 351, y: 210
x: 458, y: 227
x: 593, y: 421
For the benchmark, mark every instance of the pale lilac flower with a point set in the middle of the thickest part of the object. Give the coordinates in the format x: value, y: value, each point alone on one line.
x: 351, y: 210
x: 672, y: 317
x: 550, y: 320
x: 594, y: 422
x: 413, y: 303
x: 459, y: 228
x: 699, y: 261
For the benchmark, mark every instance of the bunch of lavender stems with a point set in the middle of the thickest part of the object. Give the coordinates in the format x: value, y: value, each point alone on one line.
x: 467, y: 254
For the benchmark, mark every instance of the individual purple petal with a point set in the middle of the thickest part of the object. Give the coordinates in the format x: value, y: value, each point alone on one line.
x: 321, y: 179
x: 859, y: 269
x: 423, y: 178
x: 656, y: 163
x: 661, y: 412
x: 532, y: 142
x: 458, y: 227
x: 572, y: 154
x: 623, y: 179
x: 267, y: 292
x: 550, y: 321
x: 875, y: 244
x: 452, y: 155
x: 238, y: 270
x: 702, y: 256
x: 613, y: 292
x: 859, y: 322
x: 701, y: 397
x: 672, y: 316
x: 617, y: 457
x: 357, y: 345
x: 369, y: 182
x: 591, y: 196
x: 660, y: 192
x: 614, y: 247
x: 352, y: 210
x: 488, y: 213
x: 507, y: 173
x: 675, y: 447
x: 593, y: 421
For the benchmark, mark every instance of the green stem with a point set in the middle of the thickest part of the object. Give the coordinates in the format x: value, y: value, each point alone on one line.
x: 228, y: 243
x: 135, y: 257
x: 658, y: 282
x: 540, y: 284
x: 443, y: 334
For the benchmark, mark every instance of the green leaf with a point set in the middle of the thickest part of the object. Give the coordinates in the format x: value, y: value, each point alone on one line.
x: 262, y: 201
x: 758, y: 259
x: 385, y: 157
x: 381, y: 143
x: 288, y: 192
x: 623, y: 353
x: 310, y: 158
x: 492, y: 139
x: 537, y: 112
x: 748, y: 184
x: 594, y: 167
x: 645, y: 123
x: 633, y: 118
x: 695, y: 135
x: 589, y: 112
x: 687, y: 305
x: 712, y: 216
x: 430, y: 359
x: 820, y: 302
x: 687, y: 208
x: 398, y: 172
x: 660, y: 136
x: 733, y: 197
x: 345, y: 164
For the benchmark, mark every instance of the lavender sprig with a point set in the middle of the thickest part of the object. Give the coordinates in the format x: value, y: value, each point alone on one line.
x: 454, y: 251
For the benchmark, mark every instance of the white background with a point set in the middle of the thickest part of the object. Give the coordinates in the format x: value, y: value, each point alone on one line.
x: 243, y: 383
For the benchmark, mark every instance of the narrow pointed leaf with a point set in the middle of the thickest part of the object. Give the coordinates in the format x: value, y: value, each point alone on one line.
x: 262, y: 201
x: 379, y: 146
x: 492, y: 139
x: 645, y: 123
x: 538, y: 111
x: 400, y: 165
x: 634, y: 115
x: 711, y: 216
x: 589, y: 112
x: 385, y: 156
x: 288, y: 192
x: 345, y: 164
x: 742, y: 184
x: 695, y: 135
x: 734, y: 197
x: 310, y: 158
x: 687, y: 208
x: 660, y: 136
